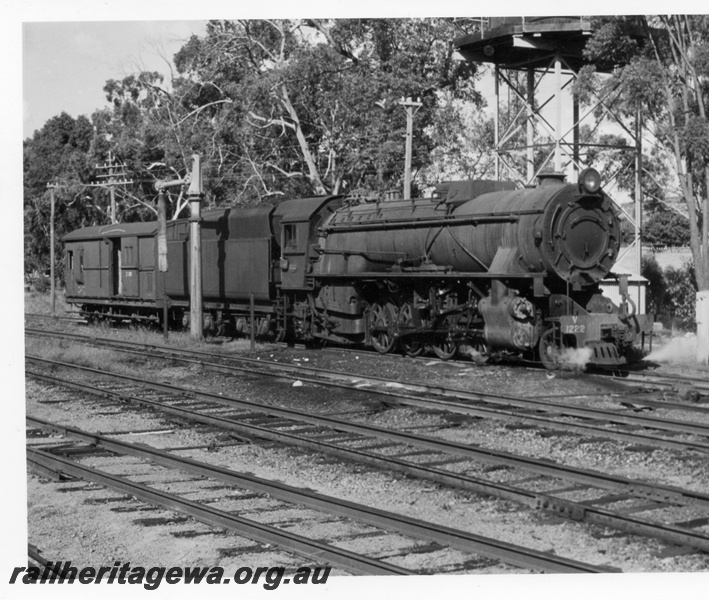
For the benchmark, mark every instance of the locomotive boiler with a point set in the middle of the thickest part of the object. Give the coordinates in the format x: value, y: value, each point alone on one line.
x: 480, y: 267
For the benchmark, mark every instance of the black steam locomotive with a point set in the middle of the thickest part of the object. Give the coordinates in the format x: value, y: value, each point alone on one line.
x: 481, y: 267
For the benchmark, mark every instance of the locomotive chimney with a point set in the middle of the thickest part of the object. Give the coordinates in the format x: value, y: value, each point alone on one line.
x: 551, y: 179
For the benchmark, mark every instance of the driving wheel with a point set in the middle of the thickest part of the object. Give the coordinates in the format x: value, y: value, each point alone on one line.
x: 381, y: 321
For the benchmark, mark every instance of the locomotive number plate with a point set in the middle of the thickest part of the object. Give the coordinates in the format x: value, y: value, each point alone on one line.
x: 574, y: 329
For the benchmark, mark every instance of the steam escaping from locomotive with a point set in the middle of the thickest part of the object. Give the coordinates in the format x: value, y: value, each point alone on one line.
x: 482, y: 265
x: 679, y: 350
x: 575, y: 358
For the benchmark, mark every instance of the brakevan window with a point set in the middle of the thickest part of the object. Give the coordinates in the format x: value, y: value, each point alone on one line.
x: 128, y: 257
x: 79, y: 274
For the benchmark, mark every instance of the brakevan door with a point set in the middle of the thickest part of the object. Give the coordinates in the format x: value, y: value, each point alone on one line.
x: 129, y: 266
x: 146, y: 254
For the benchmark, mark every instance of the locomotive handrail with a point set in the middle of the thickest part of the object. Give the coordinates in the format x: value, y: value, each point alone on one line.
x: 431, y: 275
x: 416, y: 223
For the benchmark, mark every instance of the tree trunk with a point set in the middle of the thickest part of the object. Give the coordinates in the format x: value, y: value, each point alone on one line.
x: 702, y: 313
x: 313, y: 175
x: 701, y: 268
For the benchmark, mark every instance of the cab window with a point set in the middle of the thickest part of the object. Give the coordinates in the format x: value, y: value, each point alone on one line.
x: 290, y: 240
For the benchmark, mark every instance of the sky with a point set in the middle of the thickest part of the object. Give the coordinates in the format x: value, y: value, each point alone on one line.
x: 66, y: 64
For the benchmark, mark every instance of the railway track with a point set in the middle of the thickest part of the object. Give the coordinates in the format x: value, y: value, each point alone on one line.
x: 417, y: 530
x: 426, y: 457
x: 620, y: 425
x: 639, y: 379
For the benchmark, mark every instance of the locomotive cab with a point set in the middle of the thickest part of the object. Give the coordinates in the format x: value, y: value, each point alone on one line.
x: 298, y: 222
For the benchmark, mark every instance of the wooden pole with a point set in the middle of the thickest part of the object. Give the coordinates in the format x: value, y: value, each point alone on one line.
x: 162, y: 257
x: 638, y: 190
x: 409, y: 105
x: 51, y: 254
x: 253, y: 322
x: 497, y: 122
x: 195, y: 198
x: 409, y: 150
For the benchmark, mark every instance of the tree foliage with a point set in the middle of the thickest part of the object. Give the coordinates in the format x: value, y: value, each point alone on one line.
x: 59, y: 152
x: 314, y: 104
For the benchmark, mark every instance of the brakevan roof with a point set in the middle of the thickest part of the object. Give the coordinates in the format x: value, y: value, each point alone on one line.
x: 112, y: 231
x: 243, y: 223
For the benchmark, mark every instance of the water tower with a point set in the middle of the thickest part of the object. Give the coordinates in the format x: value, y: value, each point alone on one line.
x: 537, y: 60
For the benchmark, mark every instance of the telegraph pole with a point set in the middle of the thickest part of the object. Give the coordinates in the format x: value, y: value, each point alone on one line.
x: 52, y: 187
x: 114, y: 173
x: 409, y: 105
x: 638, y: 191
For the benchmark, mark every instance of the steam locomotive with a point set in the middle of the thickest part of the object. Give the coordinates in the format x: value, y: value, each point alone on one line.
x: 480, y: 267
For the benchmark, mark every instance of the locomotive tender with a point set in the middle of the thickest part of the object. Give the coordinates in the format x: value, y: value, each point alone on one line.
x: 481, y: 267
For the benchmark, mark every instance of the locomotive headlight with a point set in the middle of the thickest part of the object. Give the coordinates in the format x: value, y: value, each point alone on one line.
x: 589, y: 181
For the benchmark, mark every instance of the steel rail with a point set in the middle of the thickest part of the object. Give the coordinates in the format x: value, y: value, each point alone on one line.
x: 666, y: 380
x: 65, y: 317
x: 565, y: 508
x: 217, y: 518
x: 657, y: 492
x: 662, y: 404
x: 450, y: 397
x: 405, y: 395
x: 433, y: 532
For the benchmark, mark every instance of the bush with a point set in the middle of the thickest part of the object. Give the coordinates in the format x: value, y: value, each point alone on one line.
x: 682, y: 295
x: 671, y: 291
x: 656, y: 285
x: 41, y: 284
x: 666, y: 228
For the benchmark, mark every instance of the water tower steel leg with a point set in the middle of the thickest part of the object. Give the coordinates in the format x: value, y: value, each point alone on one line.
x: 576, y: 134
x: 557, y: 124
x: 530, y: 126
x: 497, y: 122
